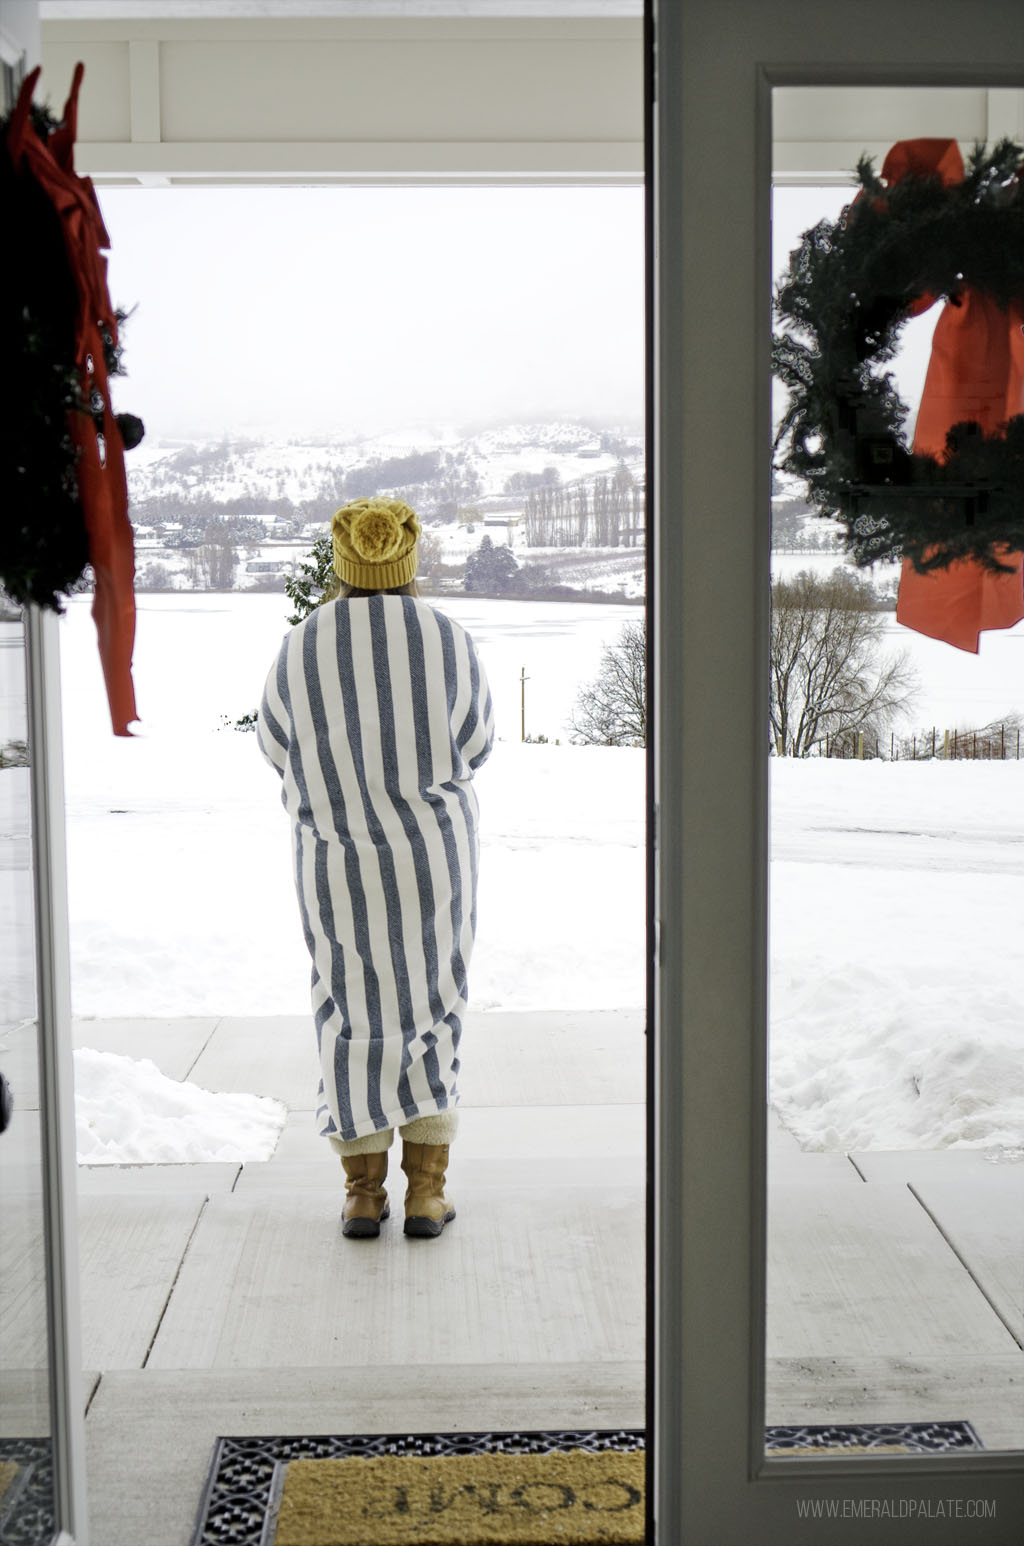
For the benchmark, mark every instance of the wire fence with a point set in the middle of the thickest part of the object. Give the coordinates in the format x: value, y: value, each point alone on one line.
x: 997, y: 743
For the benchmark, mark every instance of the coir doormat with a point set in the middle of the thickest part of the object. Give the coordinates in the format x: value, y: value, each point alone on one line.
x: 571, y: 1496
x: 291, y: 1491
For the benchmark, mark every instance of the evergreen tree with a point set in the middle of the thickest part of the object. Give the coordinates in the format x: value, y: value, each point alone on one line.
x: 492, y: 569
x: 305, y: 589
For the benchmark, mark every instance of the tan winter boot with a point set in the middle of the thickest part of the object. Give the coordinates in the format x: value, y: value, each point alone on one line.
x: 366, y: 1201
x: 427, y: 1209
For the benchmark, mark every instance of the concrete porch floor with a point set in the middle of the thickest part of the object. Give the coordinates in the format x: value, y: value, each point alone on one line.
x: 222, y: 1299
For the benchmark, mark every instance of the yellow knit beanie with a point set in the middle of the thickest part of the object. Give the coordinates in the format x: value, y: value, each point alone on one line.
x: 375, y: 543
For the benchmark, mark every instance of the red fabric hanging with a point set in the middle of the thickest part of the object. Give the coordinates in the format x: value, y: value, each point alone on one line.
x: 99, y: 471
x: 976, y: 371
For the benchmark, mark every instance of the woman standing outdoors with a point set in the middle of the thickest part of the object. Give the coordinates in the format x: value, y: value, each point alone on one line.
x: 376, y: 714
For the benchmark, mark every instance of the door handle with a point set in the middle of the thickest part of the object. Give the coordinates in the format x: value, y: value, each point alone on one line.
x: 6, y: 1105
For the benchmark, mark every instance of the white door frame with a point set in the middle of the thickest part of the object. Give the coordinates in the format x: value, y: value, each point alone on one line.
x: 19, y: 53
x: 56, y: 1076
x: 716, y: 63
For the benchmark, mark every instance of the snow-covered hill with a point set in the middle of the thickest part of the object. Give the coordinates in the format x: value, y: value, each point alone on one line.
x: 299, y: 471
x: 279, y: 497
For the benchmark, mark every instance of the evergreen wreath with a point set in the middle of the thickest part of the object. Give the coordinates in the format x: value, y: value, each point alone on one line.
x: 43, y: 543
x: 846, y: 295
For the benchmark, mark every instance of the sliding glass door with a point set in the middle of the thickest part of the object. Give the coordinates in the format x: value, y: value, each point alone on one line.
x: 823, y: 1309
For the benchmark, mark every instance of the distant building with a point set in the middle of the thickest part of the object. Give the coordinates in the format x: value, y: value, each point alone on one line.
x: 269, y: 566
x: 509, y: 523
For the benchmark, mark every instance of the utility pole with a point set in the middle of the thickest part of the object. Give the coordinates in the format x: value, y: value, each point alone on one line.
x: 523, y: 679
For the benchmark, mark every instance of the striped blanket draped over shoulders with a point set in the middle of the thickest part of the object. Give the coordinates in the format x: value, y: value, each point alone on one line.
x: 376, y: 714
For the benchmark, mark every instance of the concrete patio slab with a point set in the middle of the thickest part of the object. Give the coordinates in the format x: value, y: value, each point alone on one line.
x: 150, y: 1434
x: 173, y: 1045
x: 529, y: 1311
x: 987, y: 1392
x: 131, y: 1249
x: 793, y: 1164
x: 524, y: 1059
x: 916, y: 1165
x: 266, y: 1055
x: 982, y: 1218
x: 862, y: 1271
x: 25, y: 1409
x: 518, y: 1277
x: 132, y: 1180
x: 549, y: 1059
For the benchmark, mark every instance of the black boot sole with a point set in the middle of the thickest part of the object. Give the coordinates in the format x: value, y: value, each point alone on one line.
x: 421, y: 1228
x: 363, y: 1229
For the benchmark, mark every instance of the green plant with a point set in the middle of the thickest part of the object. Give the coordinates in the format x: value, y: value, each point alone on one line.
x: 305, y: 590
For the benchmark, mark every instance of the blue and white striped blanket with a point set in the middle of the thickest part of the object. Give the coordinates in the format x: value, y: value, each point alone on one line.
x: 376, y: 714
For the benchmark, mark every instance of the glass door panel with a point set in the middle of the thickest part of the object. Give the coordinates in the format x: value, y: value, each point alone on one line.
x: 26, y: 1472
x: 895, y: 1299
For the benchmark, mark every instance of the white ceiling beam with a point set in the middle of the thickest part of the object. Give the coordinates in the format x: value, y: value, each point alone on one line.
x: 505, y: 163
x: 508, y: 100
x: 144, y: 91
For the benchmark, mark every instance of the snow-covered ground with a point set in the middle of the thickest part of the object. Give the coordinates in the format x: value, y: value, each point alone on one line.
x: 897, y: 889
x: 897, y: 894
x: 186, y: 817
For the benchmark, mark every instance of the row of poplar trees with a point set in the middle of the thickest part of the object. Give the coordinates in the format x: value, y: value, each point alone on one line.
x: 603, y: 512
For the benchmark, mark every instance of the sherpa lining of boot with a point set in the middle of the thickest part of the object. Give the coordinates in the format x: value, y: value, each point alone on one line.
x: 370, y: 1143
x: 438, y: 1128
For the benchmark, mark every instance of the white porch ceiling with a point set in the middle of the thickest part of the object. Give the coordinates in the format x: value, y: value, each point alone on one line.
x: 185, y: 10
x: 500, y: 91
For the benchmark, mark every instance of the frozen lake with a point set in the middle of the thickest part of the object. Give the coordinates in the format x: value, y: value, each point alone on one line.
x: 200, y: 655
x: 558, y: 644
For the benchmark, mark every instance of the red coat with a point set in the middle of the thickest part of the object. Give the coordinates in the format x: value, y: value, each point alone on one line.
x: 976, y: 371
x: 99, y: 471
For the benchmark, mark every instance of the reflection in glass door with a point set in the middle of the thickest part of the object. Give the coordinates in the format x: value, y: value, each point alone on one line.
x: 895, y: 1313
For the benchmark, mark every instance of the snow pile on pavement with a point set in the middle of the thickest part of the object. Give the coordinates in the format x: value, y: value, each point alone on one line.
x: 127, y: 1112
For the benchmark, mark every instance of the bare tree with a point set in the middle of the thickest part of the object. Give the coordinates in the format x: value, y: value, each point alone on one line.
x: 612, y: 709
x: 826, y: 676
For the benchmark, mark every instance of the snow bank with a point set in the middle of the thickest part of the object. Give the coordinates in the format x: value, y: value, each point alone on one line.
x: 127, y: 1112
x: 896, y: 897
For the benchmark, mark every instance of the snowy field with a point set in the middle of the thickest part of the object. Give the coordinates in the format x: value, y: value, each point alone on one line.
x: 897, y: 889
x: 186, y: 817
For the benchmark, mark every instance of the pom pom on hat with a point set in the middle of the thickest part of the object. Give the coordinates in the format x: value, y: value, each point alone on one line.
x: 375, y: 543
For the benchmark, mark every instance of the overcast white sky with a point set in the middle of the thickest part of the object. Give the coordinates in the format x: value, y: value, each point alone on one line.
x: 342, y: 311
